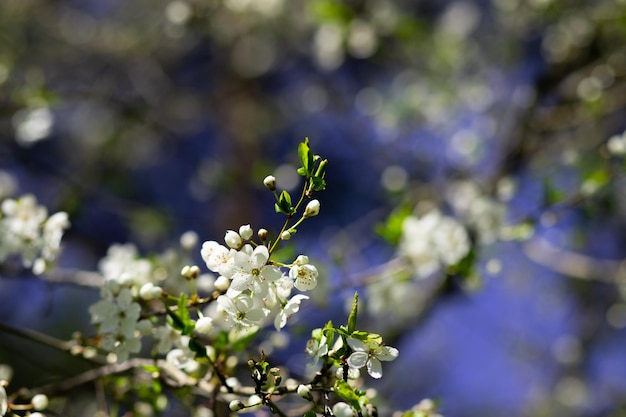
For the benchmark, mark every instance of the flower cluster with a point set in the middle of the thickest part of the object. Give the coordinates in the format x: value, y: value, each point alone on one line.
x: 196, y: 324
x: 432, y: 241
x: 117, y: 314
x: 253, y: 284
x: 26, y: 230
x: 344, y: 351
x: 483, y: 213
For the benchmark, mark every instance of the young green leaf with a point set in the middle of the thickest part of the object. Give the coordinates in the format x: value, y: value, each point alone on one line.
x: 175, y: 320
x: 346, y: 393
x: 307, y: 159
x: 353, y: 313
x: 284, y: 204
x: 197, y: 347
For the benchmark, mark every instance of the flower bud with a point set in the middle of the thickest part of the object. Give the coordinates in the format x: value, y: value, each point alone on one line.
x: 149, y: 291
x: 301, y: 260
x: 262, y: 233
x: 312, y: 209
x: 270, y: 182
x: 233, y: 239
x: 222, y: 283
x: 204, y: 325
x: 245, y: 232
x: 236, y: 405
x: 285, y: 235
x: 305, y: 392
x: 190, y: 272
x: 254, y: 400
x: 342, y: 409
x: 39, y: 402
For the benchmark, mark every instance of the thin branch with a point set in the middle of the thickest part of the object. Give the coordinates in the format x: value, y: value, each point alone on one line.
x: 574, y: 264
x: 73, y: 276
x: 37, y: 337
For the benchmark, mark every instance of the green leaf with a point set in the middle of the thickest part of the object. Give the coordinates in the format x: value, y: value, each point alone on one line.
x: 306, y: 157
x: 345, y: 391
x: 391, y: 229
x: 221, y: 341
x: 318, y: 184
x: 551, y: 194
x: 353, y: 313
x: 321, y: 169
x: 284, y: 204
x: 175, y: 320
x: 197, y: 347
x: 183, y: 314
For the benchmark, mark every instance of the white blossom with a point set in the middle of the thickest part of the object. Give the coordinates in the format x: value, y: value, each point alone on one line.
x: 317, y: 348
x: 370, y: 354
x: 182, y: 359
x: 432, y: 241
x: 26, y: 230
x: 218, y: 258
x: 122, y: 264
x: 251, y: 271
x: 290, y: 308
x: 305, y: 276
x: 242, y: 310
x: 117, y: 316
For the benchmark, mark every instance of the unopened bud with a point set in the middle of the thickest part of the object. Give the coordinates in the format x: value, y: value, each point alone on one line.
x: 245, y: 232
x: 270, y: 182
x: 149, y: 291
x: 204, y: 325
x: 262, y: 233
x: 285, y: 235
x: 39, y: 402
x: 301, y: 260
x: 312, y: 209
x: 342, y: 409
x: 305, y: 392
x: 233, y: 239
x: 254, y: 400
x: 222, y: 283
x: 236, y: 405
x: 190, y: 272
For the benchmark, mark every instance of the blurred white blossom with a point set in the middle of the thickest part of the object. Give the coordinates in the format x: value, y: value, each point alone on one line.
x: 27, y: 230
x: 432, y: 241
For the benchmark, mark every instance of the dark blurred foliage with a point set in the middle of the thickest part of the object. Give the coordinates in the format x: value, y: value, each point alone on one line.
x: 147, y: 118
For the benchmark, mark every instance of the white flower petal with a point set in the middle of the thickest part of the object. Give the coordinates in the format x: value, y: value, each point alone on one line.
x: 374, y: 368
x: 357, y: 359
x: 388, y: 353
x: 357, y: 345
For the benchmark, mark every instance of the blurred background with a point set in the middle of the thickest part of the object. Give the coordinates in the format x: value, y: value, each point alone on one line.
x: 144, y: 119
